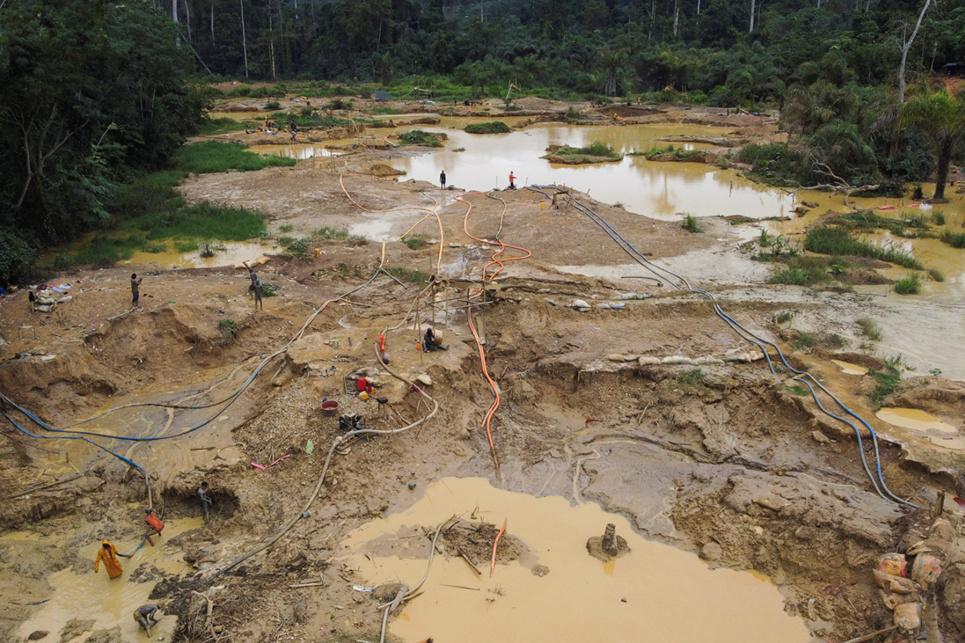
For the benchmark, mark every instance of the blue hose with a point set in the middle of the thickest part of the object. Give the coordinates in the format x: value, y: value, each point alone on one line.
x: 750, y: 337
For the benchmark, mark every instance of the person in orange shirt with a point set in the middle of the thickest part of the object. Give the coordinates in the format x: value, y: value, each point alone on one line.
x: 155, y: 524
x: 108, y: 554
x: 512, y: 181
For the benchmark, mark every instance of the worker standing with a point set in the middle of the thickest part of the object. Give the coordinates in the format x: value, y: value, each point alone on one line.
x: 442, y: 179
x: 204, y: 500
x: 258, y: 291
x: 155, y: 524
x: 108, y: 555
x: 512, y: 181
x: 135, y: 292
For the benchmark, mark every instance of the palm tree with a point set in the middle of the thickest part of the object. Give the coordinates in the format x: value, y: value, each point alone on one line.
x: 940, y: 117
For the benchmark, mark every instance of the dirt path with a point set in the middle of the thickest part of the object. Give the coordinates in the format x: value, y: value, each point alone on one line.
x: 717, y: 457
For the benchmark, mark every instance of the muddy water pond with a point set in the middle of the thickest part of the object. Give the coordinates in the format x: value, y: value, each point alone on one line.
x: 655, y: 593
x: 109, y: 603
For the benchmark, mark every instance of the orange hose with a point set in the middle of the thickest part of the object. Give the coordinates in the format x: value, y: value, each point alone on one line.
x: 475, y: 293
x: 492, y: 566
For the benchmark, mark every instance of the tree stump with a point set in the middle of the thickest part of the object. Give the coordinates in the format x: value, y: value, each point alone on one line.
x: 607, y: 546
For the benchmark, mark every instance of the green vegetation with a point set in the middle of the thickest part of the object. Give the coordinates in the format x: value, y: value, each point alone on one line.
x: 886, y: 383
x: 690, y: 223
x: 869, y: 328
x: 338, y: 234
x: 804, y: 341
x: 679, y: 153
x: 954, y: 239
x: 802, y: 271
x: 694, y: 377
x: 416, y: 241
x: 229, y: 329
x: 910, y: 285
x: 492, y: 127
x: 215, y: 156
x: 797, y: 389
x: 418, y: 137
x: 784, y: 317
x: 840, y: 241
x: 938, y: 218
x: 596, y: 152
x: 936, y: 274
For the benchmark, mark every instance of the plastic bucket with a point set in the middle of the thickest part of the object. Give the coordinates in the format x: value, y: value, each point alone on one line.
x: 329, y: 408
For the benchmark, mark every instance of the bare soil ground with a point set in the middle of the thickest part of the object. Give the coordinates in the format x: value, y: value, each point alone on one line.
x: 720, y: 458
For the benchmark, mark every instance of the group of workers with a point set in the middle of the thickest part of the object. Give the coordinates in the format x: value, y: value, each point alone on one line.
x: 145, y: 615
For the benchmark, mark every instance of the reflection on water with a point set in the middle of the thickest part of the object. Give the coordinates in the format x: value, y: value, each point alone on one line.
x: 659, y: 190
x: 233, y: 253
x: 300, y: 151
x: 656, y: 593
x: 849, y: 368
x: 925, y: 425
x: 110, y: 603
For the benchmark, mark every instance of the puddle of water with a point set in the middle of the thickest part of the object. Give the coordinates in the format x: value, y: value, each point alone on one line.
x: 108, y: 602
x: 300, y: 151
x: 234, y: 253
x: 914, y: 419
x: 849, y: 368
x: 669, y: 594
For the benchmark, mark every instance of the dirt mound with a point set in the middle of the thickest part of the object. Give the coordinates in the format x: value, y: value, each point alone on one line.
x: 384, y: 170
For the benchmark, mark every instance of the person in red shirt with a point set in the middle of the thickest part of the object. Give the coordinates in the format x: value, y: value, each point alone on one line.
x: 155, y: 524
x: 512, y: 181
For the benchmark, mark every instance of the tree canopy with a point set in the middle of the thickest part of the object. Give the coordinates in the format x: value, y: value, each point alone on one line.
x: 91, y: 90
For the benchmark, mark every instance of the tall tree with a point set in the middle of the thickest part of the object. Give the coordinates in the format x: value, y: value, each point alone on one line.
x: 905, y: 47
x: 941, y: 117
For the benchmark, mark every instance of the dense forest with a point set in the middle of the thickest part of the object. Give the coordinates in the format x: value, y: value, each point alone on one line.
x: 98, y: 92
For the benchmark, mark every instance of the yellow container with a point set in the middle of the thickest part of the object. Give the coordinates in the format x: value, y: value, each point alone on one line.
x: 542, y: 205
x: 363, y: 395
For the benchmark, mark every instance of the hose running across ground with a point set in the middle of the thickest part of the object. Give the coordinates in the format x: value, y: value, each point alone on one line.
x: 682, y: 284
x: 476, y: 293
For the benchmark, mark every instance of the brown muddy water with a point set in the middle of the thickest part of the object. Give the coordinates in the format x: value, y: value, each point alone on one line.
x: 110, y: 603
x: 655, y: 593
x: 232, y: 253
x: 925, y: 426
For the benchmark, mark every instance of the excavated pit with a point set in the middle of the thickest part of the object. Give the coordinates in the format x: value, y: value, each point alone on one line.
x: 656, y: 411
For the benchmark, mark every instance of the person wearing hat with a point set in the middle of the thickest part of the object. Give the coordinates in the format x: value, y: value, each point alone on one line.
x: 155, y: 524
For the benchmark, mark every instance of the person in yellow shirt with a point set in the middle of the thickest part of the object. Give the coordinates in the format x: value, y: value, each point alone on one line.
x: 108, y: 554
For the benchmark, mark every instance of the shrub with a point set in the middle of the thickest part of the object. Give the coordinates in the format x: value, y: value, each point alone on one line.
x: 492, y: 127
x: 936, y: 274
x: 910, y: 285
x: 418, y: 137
x: 415, y: 241
x: 954, y: 239
x: 690, y: 223
x: 16, y: 256
x: 229, y: 329
x: 869, y: 328
x: 272, y: 105
x: 938, y: 218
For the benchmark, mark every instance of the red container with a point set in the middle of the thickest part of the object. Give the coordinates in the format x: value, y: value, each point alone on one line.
x: 362, y: 384
x: 329, y: 408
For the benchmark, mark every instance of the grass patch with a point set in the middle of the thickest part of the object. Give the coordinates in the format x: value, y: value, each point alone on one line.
x: 804, y: 341
x: 936, y: 274
x: 285, y: 229
x: 427, y: 139
x: 416, y: 241
x: 404, y: 274
x: 887, y: 382
x: 694, y: 377
x: 802, y: 271
x: 938, y: 218
x: 797, y: 389
x: 492, y: 127
x: 213, y: 156
x: 297, y: 248
x: 204, y: 221
x: 386, y: 110
x: 954, y: 239
x: 229, y: 329
x: 596, y: 152
x: 869, y: 328
x: 910, y: 285
x: 679, y: 153
x: 784, y: 317
x: 338, y: 234
x: 840, y: 241
x: 690, y: 223
x: 222, y: 125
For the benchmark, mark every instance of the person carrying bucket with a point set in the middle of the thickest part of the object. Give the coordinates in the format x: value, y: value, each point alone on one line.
x: 155, y: 524
x: 108, y: 555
